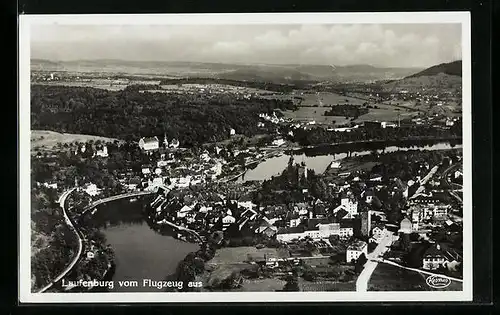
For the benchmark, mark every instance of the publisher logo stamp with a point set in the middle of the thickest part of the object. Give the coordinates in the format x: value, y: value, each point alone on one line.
x: 438, y: 282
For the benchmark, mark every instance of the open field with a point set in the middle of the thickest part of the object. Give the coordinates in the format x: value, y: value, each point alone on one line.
x: 314, y: 105
x: 48, y: 139
x: 230, y: 255
x: 327, y: 99
x: 385, y: 114
x: 262, y: 285
x: 100, y: 83
x: 306, y: 114
x: 325, y: 285
x: 391, y: 278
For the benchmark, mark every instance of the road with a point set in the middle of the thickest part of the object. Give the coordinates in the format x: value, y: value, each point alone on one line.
x: 116, y: 197
x: 446, y: 176
x: 447, y: 173
x: 62, y: 201
x: 424, y: 181
x: 70, y: 223
x: 371, y: 264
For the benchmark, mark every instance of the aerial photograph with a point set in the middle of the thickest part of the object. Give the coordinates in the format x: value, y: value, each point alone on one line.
x: 246, y: 158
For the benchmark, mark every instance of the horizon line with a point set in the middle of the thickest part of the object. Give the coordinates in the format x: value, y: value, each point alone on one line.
x: 240, y: 63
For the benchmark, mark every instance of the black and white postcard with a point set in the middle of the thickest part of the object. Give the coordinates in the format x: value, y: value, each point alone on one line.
x: 245, y: 157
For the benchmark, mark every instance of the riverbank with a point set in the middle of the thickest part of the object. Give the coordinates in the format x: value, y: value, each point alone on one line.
x: 192, y: 232
x: 320, y: 159
x: 356, y: 146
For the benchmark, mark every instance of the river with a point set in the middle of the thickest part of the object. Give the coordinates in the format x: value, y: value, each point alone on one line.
x: 275, y: 166
x: 140, y: 252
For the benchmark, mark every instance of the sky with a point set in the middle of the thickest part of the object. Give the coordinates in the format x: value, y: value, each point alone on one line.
x: 384, y: 45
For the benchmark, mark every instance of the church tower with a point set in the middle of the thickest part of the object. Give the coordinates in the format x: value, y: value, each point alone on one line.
x: 366, y: 223
x: 165, y: 141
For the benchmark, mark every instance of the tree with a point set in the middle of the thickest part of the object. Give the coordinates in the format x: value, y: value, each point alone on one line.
x: 360, y: 262
x: 405, y: 242
x: 291, y: 284
x: 309, y: 274
x: 334, y: 239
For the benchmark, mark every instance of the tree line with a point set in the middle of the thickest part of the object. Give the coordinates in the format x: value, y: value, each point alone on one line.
x: 322, y: 136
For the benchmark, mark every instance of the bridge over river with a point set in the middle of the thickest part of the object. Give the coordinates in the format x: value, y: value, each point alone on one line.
x: 121, y: 196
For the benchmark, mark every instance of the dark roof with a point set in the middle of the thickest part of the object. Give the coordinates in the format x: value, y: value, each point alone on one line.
x: 311, y: 223
x: 245, y: 197
x: 369, y: 192
x: 340, y: 214
x: 135, y: 180
x: 357, y: 245
x: 200, y: 215
x: 320, y: 209
x: 262, y: 222
x: 297, y: 229
x: 150, y: 139
x: 433, y: 252
x: 291, y: 215
x: 379, y: 225
x: 346, y: 224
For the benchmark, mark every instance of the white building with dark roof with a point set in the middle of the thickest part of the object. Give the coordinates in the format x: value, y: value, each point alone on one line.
x: 149, y: 143
x: 174, y: 143
x: 355, y: 250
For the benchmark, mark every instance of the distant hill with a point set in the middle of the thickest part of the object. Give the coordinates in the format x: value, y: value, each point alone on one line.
x: 242, y: 72
x: 267, y: 74
x: 442, y: 76
x: 450, y: 68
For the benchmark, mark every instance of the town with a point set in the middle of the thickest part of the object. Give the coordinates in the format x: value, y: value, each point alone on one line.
x: 247, y: 158
x: 400, y: 208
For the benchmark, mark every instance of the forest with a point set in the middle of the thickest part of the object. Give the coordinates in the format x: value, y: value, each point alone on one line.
x: 130, y: 115
x: 53, y: 244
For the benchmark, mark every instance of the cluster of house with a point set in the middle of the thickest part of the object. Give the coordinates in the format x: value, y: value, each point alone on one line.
x: 271, y: 118
x: 215, y: 89
x: 436, y: 121
x: 419, y: 213
x: 168, y: 173
x: 438, y: 255
x: 152, y: 143
x: 287, y: 223
x: 278, y: 142
x: 93, y: 150
x: 45, y: 77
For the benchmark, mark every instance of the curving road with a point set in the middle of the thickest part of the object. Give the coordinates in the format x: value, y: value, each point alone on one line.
x: 62, y: 201
x: 371, y: 264
x: 445, y: 176
x: 446, y: 173
x: 116, y: 197
x: 70, y: 223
